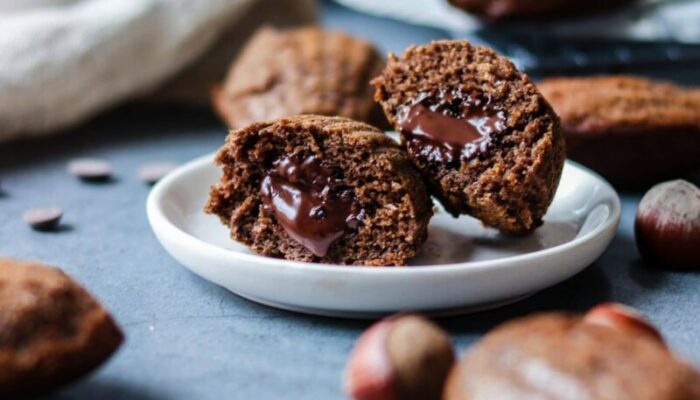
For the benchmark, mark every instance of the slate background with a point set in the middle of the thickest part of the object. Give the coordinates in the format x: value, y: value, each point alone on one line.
x: 189, y: 339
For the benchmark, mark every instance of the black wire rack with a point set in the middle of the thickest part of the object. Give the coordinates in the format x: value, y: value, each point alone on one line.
x: 542, y: 56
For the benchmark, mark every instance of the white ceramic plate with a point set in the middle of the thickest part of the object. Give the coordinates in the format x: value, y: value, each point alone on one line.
x: 463, y: 266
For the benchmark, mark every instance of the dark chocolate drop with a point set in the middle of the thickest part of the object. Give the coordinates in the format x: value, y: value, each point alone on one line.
x: 313, y: 207
x: 43, y: 219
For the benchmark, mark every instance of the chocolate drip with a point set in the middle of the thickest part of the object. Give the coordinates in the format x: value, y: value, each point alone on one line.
x: 449, y: 127
x: 311, y: 205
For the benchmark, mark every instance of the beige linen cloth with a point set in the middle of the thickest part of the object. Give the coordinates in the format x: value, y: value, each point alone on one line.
x: 63, y: 61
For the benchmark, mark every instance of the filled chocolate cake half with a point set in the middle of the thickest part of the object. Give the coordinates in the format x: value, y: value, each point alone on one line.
x: 483, y: 137
x: 321, y: 189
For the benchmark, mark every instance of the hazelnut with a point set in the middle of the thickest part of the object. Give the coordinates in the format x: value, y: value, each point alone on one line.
x: 667, y: 227
x: 401, y: 357
x: 621, y: 317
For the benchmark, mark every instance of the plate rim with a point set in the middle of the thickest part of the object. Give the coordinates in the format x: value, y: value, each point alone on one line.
x: 158, y: 221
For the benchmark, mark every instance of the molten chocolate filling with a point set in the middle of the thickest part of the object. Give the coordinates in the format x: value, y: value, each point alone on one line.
x: 311, y: 205
x: 450, y: 127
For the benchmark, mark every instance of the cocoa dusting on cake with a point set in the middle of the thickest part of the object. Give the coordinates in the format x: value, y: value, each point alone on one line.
x: 321, y: 189
x: 484, y: 139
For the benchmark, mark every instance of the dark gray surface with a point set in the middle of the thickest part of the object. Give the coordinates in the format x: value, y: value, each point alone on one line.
x: 189, y: 339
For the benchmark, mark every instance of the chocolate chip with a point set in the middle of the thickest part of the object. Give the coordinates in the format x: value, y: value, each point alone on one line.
x: 153, y: 172
x: 91, y: 170
x: 43, y: 219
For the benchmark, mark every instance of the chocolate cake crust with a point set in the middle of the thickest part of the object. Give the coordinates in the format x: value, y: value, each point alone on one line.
x: 345, y: 192
x: 485, y: 140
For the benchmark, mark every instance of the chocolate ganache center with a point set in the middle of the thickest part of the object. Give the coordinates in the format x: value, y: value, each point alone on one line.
x: 450, y: 127
x: 314, y: 207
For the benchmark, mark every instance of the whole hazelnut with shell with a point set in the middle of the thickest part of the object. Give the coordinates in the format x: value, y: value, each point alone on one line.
x: 667, y: 225
x: 403, y: 357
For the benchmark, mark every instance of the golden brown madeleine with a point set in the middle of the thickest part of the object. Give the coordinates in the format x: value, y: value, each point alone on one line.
x: 52, y: 331
x: 300, y: 71
x: 633, y: 131
x: 609, y: 353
